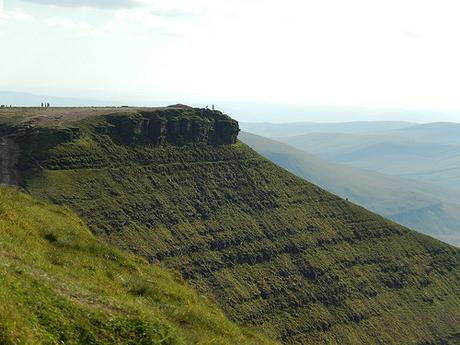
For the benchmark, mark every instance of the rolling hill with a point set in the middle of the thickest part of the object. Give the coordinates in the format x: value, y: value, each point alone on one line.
x: 299, y: 128
x: 418, y: 205
x: 429, y: 153
x: 299, y: 264
x: 439, y: 132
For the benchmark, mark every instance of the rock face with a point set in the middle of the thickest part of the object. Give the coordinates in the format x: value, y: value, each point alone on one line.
x: 176, y: 125
x: 23, y: 146
x: 169, y: 127
x: 9, y: 153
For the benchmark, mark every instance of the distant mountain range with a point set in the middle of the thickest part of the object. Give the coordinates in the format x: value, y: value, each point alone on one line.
x: 439, y: 132
x: 429, y: 153
x: 290, y: 129
x: 429, y: 208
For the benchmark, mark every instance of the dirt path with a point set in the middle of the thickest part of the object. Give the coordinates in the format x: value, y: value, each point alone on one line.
x: 9, y: 153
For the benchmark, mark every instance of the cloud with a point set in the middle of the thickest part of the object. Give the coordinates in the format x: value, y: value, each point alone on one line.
x: 163, y: 21
x: 71, y: 25
x: 412, y: 35
x: 99, y: 4
x: 122, y: 20
x: 15, y: 15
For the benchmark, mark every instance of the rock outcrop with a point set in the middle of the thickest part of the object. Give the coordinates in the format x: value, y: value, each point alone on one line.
x: 9, y: 153
x: 171, y: 126
x: 24, y: 145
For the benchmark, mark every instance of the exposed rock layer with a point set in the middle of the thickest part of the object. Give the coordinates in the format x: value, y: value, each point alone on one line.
x: 161, y: 127
x: 9, y: 153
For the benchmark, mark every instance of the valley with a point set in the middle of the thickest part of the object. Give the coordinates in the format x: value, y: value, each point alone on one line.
x: 428, y: 153
x: 432, y: 209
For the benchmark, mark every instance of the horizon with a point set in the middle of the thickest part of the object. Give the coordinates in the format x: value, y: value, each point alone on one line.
x: 254, y: 112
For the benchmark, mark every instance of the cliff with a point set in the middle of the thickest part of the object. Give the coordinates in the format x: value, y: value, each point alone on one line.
x: 170, y: 127
x: 26, y: 140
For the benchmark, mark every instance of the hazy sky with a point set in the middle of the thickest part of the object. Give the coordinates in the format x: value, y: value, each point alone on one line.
x: 367, y: 53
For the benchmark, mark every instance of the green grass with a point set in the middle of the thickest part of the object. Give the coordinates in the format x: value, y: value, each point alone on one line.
x: 60, y: 285
x: 273, y: 250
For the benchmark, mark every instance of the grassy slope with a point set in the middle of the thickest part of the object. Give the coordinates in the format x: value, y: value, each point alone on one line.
x: 425, y: 207
x: 58, y: 284
x: 273, y: 250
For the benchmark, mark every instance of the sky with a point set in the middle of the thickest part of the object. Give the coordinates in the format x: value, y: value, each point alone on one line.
x: 392, y: 54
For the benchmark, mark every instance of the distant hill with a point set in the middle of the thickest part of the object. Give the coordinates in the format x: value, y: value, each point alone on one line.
x: 265, y: 112
x: 439, y: 132
x: 60, y: 285
x: 275, y: 252
x: 418, y: 205
x: 429, y: 153
x: 299, y: 128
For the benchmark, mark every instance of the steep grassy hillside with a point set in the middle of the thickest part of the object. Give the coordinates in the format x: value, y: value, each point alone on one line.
x: 418, y: 205
x: 59, y: 285
x: 274, y: 251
